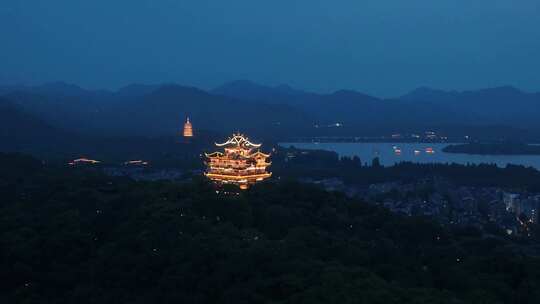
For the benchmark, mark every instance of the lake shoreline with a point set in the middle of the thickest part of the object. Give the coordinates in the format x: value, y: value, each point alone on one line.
x: 493, y: 149
x: 391, y: 153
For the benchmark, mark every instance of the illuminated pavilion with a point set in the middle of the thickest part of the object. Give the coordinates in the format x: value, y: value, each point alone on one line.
x: 241, y: 163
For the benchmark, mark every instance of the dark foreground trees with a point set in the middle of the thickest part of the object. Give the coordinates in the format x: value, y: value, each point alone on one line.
x: 71, y: 236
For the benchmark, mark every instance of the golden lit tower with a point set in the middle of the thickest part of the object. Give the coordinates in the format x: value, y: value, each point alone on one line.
x: 239, y: 163
x: 188, y: 129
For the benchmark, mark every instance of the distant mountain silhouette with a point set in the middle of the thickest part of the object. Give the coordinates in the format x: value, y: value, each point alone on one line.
x: 134, y: 90
x: 53, y: 88
x: 15, y: 123
x: 250, y: 91
x: 163, y: 111
x: 503, y: 93
x: 430, y: 95
x: 354, y: 111
x: 72, y: 108
x: 501, y: 105
x: 279, y: 112
x: 71, y: 90
x: 72, y: 112
x: 23, y: 132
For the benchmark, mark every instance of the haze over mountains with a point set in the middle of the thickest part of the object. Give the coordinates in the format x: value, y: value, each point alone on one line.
x: 279, y: 112
x: 494, y: 106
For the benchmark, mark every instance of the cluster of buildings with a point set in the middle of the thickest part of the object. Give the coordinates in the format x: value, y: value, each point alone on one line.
x: 523, y: 205
x: 513, y: 212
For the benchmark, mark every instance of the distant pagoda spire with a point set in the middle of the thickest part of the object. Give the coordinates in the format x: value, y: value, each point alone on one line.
x: 188, y: 129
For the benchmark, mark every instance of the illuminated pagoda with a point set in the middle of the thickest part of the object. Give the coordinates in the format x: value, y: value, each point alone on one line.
x: 241, y: 163
x: 188, y: 129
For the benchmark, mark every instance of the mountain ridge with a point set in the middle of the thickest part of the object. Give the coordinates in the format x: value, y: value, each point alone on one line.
x: 159, y: 110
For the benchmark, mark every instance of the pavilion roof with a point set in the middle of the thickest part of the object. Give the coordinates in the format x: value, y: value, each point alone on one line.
x: 238, y: 140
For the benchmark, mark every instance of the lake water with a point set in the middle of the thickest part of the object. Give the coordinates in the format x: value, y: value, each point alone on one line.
x: 388, y: 155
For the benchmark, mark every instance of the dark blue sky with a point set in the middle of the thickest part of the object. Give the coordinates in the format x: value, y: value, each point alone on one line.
x: 381, y: 47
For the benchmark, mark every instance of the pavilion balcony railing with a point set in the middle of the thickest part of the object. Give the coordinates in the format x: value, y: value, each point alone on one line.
x: 238, y: 173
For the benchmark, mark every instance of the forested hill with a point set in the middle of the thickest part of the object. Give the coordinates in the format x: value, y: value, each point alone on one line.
x: 75, y: 236
x: 15, y: 123
x: 21, y: 131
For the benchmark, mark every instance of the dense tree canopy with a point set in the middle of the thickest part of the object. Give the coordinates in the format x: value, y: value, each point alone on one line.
x: 74, y: 236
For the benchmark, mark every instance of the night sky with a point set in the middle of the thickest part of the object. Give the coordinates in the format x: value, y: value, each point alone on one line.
x: 381, y: 47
